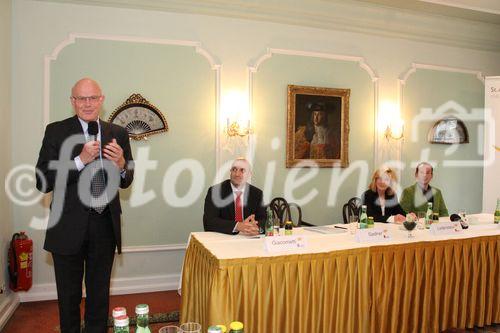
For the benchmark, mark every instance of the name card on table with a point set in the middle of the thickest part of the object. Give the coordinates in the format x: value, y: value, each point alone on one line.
x: 445, y: 228
x: 285, y: 243
x: 372, y: 235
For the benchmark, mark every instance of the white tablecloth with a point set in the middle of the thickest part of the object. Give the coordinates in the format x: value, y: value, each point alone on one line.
x: 236, y: 246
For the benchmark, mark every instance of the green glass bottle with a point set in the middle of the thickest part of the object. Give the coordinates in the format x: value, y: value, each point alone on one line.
x: 121, y: 324
x: 269, y: 222
x: 363, y: 218
x: 428, y: 215
x: 288, y: 228
x: 142, y: 318
x: 371, y: 222
x: 497, y: 212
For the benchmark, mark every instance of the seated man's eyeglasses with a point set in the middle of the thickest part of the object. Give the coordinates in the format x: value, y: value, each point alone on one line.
x: 235, y: 169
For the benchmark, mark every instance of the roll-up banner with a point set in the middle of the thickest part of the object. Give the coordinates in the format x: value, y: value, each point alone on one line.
x: 491, y: 179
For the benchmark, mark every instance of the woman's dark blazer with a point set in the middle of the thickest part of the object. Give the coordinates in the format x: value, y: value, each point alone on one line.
x: 392, y: 207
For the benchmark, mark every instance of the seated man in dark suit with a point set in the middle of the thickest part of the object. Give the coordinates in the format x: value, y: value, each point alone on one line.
x: 234, y: 206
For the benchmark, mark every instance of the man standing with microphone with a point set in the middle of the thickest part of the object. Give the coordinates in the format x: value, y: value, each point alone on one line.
x: 83, y: 160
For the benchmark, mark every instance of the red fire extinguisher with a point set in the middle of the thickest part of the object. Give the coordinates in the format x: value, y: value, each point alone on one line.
x: 21, y: 262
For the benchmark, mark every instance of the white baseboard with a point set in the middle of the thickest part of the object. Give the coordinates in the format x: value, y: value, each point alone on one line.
x: 119, y: 286
x: 145, y: 284
x: 7, y: 308
x: 38, y: 292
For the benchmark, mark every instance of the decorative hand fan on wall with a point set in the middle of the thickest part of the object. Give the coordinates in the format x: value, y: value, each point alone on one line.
x: 448, y: 130
x: 139, y: 117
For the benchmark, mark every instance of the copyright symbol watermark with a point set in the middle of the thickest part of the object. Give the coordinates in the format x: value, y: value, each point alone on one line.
x: 19, y: 185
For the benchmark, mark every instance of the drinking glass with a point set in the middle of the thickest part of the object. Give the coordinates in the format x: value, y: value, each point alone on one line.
x: 169, y: 329
x: 276, y: 225
x: 190, y: 327
x: 463, y: 214
x: 410, y: 225
x: 421, y: 220
x: 353, y: 224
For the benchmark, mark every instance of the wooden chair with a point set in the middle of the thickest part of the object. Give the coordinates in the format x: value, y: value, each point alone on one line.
x: 281, y: 210
x: 351, y: 208
x: 284, y: 211
x: 297, y: 221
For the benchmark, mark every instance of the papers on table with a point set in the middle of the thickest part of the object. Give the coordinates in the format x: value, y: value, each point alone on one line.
x: 482, y: 218
x: 324, y: 229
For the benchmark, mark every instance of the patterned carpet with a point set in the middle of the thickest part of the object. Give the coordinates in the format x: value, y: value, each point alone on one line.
x: 42, y: 317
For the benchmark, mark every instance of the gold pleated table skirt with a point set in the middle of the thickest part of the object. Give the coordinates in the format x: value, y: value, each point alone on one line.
x: 414, y: 287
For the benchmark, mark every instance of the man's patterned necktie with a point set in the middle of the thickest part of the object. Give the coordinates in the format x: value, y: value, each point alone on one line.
x: 98, y: 199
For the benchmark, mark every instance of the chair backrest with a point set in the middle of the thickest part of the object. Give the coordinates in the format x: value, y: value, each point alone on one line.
x: 295, y: 214
x: 281, y: 210
x: 287, y: 211
x: 351, y: 208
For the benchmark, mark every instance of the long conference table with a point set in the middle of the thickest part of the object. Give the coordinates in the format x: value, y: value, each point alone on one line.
x: 424, y: 284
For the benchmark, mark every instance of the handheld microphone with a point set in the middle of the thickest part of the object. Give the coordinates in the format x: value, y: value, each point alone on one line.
x: 457, y: 218
x: 93, y: 130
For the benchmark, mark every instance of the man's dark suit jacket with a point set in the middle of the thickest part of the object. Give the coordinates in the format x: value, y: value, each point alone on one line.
x: 66, y: 235
x: 392, y: 207
x: 221, y: 218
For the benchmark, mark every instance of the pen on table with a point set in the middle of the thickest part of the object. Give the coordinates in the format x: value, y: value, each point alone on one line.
x: 340, y: 227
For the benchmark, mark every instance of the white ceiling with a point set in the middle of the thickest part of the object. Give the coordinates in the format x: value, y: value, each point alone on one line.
x: 487, y: 6
x: 462, y: 23
x: 487, y: 11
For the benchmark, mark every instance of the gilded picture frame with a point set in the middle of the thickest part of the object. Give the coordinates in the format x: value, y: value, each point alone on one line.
x: 317, y: 127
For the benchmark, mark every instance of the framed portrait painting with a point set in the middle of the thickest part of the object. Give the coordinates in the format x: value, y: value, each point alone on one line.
x: 317, y: 127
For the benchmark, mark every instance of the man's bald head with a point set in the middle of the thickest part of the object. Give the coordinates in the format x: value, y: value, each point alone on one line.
x: 87, y: 99
x: 84, y: 83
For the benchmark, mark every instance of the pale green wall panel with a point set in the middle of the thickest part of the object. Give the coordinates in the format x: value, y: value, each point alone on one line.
x: 5, y: 130
x: 40, y: 27
x: 431, y: 89
x: 270, y: 113
x: 181, y: 84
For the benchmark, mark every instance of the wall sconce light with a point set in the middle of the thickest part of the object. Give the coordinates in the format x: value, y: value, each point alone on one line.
x: 394, y: 130
x: 389, y: 120
x: 234, y: 108
x: 234, y: 129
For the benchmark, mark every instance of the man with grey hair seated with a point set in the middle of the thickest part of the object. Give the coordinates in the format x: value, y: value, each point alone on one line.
x: 234, y: 206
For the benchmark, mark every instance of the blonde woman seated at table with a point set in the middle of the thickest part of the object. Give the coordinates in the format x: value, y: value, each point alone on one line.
x: 380, y: 199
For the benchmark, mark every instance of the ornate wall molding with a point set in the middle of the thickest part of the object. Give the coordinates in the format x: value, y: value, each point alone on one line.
x: 397, y: 21
x: 72, y: 37
x: 416, y: 66
x: 252, y: 69
x: 271, y: 51
x: 413, y: 69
